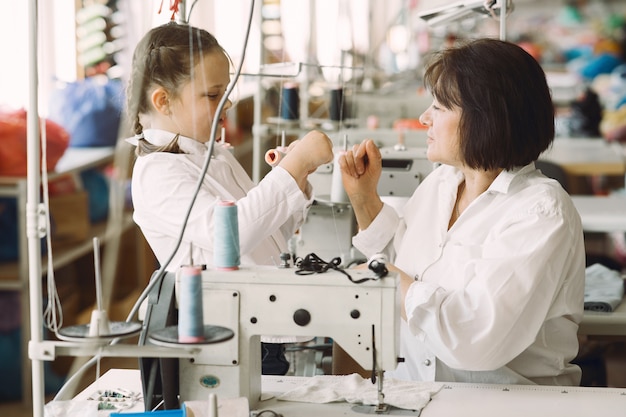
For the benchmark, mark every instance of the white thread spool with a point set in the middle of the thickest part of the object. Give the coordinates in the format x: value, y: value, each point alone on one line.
x: 337, y: 191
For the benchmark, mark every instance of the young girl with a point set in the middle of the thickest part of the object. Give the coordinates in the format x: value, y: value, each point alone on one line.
x: 179, y: 75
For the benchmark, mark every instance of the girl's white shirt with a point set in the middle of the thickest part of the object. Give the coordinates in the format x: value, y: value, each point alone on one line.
x: 162, y: 187
x: 497, y: 298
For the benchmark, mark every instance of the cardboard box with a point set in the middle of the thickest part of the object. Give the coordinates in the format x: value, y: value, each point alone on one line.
x: 69, y: 217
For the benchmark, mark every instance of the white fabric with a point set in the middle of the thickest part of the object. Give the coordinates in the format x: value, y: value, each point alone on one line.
x: 227, y: 407
x: 163, y: 185
x: 354, y: 389
x: 498, y: 297
x: 604, y: 288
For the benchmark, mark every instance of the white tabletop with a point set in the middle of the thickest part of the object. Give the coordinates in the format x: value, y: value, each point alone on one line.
x: 458, y: 399
x: 602, y: 213
x: 587, y: 156
x: 74, y: 158
x: 597, y: 323
x: 476, y: 400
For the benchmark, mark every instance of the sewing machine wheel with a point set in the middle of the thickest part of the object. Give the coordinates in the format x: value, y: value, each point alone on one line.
x: 212, y: 334
x: 392, y: 411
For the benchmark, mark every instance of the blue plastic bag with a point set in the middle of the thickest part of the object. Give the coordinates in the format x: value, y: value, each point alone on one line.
x: 90, y: 110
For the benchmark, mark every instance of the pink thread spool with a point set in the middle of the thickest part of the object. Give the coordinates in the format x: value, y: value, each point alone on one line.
x: 274, y: 156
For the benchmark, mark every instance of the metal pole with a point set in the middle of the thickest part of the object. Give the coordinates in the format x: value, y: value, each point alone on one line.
x: 503, y: 20
x: 32, y: 212
x: 257, y: 128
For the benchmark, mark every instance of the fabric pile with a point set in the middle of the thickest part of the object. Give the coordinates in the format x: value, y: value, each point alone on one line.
x: 604, y: 288
x: 354, y: 389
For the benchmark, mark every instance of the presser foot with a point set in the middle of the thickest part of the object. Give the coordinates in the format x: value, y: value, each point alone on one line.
x: 384, y: 409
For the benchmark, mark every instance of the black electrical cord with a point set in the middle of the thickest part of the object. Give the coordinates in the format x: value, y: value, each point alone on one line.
x: 313, y: 264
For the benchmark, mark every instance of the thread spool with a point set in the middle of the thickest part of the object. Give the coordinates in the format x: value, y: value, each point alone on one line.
x: 226, y: 236
x: 190, y: 319
x: 290, y: 102
x: 337, y: 105
x: 274, y: 156
x: 337, y: 191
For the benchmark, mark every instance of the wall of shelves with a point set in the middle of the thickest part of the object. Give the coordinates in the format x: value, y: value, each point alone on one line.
x: 14, y: 275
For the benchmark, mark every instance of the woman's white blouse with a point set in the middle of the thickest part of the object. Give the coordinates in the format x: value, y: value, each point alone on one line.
x: 498, y: 297
x: 162, y: 188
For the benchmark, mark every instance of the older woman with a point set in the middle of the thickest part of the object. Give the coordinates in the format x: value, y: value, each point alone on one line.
x: 490, y: 251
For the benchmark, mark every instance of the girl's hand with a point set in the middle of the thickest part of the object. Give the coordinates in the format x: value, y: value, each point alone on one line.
x: 305, y: 155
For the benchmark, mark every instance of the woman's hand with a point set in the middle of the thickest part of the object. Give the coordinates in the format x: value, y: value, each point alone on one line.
x: 361, y: 168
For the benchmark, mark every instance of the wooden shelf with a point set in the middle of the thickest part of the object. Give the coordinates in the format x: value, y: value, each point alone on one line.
x: 62, y: 254
x: 14, y: 276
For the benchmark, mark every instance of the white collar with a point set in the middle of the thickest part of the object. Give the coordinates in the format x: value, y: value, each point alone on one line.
x: 160, y: 137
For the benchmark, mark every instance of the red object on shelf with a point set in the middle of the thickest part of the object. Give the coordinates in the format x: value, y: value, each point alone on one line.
x: 13, y: 152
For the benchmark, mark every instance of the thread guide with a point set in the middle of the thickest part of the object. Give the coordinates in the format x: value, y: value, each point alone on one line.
x: 100, y: 329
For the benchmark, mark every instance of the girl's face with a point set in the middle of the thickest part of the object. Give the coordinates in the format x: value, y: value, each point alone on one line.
x: 193, y: 111
x: 443, y: 133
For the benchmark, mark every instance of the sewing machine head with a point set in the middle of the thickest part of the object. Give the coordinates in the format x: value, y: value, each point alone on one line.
x: 404, y: 166
x: 362, y: 318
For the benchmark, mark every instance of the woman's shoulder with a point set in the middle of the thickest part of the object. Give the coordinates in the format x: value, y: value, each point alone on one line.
x: 542, y: 194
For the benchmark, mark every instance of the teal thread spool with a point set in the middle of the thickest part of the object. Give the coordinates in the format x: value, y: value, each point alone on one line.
x: 290, y: 102
x: 226, y: 236
x: 190, y: 319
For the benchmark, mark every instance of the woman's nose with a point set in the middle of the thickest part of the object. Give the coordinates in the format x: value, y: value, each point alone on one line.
x: 424, y: 119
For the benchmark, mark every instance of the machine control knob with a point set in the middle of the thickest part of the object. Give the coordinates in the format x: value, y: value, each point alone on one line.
x: 285, y: 257
x: 302, y: 317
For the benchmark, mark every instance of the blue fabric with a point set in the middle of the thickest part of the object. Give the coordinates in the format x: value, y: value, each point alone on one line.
x: 9, y: 245
x: 90, y: 110
x: 97, y: 186
x: 601, y: 64
x: 11, y: 370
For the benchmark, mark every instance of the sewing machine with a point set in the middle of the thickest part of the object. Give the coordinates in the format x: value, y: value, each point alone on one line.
x: 363, y: 318
x: 330, y: 225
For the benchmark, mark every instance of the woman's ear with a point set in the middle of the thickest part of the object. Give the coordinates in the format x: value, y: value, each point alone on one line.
x: 160, y: 101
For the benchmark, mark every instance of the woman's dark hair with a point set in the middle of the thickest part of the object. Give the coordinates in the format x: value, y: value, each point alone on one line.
x: 165, y: 57
x: 507, y: 115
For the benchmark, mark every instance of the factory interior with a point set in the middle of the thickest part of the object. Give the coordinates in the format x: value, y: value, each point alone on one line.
x: 352, y: 69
